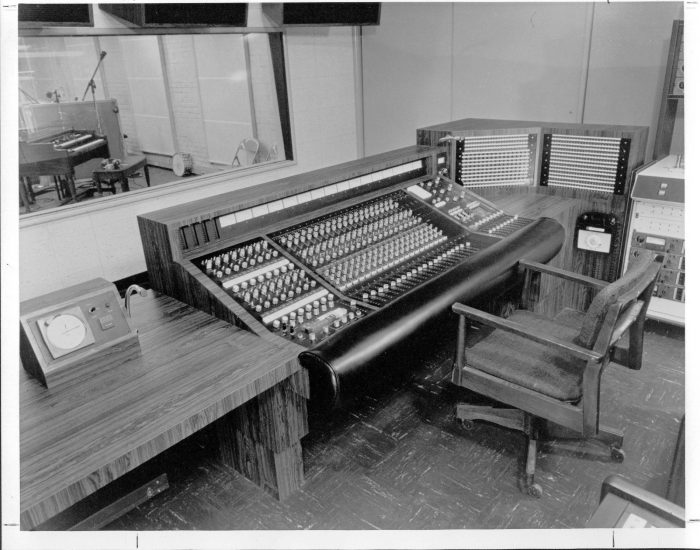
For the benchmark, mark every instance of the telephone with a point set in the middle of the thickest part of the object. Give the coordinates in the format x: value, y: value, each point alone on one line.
x: 594, y: 231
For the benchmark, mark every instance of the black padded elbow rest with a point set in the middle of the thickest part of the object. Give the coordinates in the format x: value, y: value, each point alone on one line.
x: 355, y: 358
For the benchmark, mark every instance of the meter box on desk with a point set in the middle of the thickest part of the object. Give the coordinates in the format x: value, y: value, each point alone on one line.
x: 657, y: 223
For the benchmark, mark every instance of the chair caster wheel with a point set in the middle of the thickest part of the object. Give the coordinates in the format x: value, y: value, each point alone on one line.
x: 468, y: 425
x: 617, y: 454
x: 530, y: 488
x: 534, y: 490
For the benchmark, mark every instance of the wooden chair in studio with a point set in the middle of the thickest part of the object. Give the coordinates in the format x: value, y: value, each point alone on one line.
x: 548, y: 369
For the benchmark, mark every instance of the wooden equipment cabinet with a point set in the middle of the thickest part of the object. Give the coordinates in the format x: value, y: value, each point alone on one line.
x: 192, y: 370
x: 530, y: 195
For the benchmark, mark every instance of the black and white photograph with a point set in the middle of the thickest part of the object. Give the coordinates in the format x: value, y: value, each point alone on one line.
x: 348, y: 275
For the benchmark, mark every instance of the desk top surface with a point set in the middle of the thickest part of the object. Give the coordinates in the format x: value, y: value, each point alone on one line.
x: 616, y: 512
x: 190, y: 370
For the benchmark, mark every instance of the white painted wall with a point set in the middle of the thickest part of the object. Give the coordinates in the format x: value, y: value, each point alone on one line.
x: 406, y: 63
x: 426, y: 63
x: 629, y: 51
x: 105, y: 242
x: 430, y: 63
x: 521, y: 61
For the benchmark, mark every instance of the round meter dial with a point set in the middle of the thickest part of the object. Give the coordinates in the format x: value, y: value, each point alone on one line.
x: 65, y: 331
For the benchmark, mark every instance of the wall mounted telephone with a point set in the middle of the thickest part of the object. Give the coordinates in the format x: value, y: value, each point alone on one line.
x: 594, y: 231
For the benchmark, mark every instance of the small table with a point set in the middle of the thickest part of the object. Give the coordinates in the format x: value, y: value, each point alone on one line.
x: 130, y: 165
x: 623, y: 504
x: 60, y: 167
x: 191, y: 370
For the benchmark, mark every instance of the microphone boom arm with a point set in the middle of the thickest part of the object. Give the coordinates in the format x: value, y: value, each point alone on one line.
x: 91, y: 82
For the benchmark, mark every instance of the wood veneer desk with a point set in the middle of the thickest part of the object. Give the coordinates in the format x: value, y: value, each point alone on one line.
x: 192, y: 370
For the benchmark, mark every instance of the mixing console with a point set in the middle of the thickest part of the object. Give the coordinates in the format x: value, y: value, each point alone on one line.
x: 352, y: 263
x: 466, y: 207
x: 278, y: 292
x: 379, y: 249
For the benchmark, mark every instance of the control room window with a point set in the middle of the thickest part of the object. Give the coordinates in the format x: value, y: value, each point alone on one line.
x: 190, y: 104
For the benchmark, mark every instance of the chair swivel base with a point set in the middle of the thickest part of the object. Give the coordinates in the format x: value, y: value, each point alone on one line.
x: 606, y: 444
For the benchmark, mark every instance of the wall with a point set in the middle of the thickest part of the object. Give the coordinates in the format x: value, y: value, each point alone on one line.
x: 427, y: 64
x: 105, y: 242
x: 629, y: 51
x: 406, y: 71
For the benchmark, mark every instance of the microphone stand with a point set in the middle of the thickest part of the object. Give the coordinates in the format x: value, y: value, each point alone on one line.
x: 91, y: 86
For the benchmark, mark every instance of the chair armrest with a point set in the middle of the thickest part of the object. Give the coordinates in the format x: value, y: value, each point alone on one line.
x: 616, y: 485
x: 625, y: 321
x: 563, y: 274
x: 521, y: 330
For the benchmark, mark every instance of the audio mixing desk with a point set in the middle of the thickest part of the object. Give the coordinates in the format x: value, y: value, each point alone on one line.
x: 352, y: 264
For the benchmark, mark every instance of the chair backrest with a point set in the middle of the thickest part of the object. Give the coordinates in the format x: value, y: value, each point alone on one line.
x: 249, y: 148
x: 640, y: 275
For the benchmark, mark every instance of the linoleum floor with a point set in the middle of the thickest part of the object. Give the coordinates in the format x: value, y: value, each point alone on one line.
x: 399, y: 460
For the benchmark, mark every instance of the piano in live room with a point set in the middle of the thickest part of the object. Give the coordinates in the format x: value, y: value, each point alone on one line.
x: 57, y: 154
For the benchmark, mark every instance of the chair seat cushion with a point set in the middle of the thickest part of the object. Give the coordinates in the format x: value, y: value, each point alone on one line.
x: 565, y: 325
x: 535, y: 366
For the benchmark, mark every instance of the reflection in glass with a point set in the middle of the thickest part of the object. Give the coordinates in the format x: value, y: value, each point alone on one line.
x: 190, y: 104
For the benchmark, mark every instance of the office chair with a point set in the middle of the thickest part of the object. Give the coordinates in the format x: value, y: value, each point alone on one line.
x: 549, y: 368
x: 246, y: 152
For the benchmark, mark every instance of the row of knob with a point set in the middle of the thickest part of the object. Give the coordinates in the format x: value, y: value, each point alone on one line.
x: 338, y: 224
x: 442, y: 192
x: 353, y: 270
x: 274, y: 288
x: 306, y: 313
x: 358, y: 239
x: 414, y: 275
x: 497, y: 228
x: 239, y: 259
x: 505, y: 220
x: 281, y: 294
x: 308, y: 327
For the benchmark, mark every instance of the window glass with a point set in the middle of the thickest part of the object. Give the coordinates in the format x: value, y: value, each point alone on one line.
x: 189, y: 104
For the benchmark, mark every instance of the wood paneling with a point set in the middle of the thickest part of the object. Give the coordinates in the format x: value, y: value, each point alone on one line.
x: 192, y: 369
x: 233, y: 201
x: 261, y: 439
x: 170, y: 269
x: 562, y: 204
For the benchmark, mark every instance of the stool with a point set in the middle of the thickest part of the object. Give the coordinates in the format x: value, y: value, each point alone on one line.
x: 130, y: 165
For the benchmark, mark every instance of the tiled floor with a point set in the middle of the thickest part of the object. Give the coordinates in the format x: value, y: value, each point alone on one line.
x: 399, y: 460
